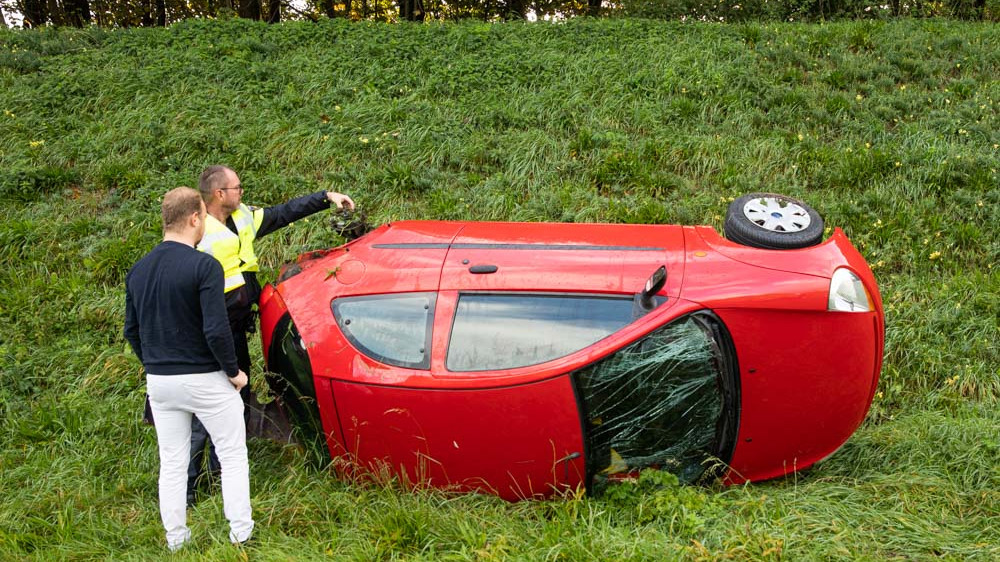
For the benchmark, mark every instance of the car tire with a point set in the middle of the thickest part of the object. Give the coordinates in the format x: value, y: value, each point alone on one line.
x: 773, y: 222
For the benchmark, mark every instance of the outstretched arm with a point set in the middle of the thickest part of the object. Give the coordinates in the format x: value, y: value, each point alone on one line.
x: 281, y: 215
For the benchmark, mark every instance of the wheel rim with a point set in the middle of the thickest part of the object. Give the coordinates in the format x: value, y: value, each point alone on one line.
x: 776, y: 215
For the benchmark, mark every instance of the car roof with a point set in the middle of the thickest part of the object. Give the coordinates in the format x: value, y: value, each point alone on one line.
x: 503, y: 256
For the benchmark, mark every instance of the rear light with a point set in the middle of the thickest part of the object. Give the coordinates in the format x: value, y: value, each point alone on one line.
x: 848, y: 293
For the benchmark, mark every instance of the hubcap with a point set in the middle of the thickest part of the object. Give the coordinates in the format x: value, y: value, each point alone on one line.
x: 776, y: 215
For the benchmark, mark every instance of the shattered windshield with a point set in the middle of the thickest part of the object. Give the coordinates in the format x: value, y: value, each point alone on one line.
x: 665, y: 401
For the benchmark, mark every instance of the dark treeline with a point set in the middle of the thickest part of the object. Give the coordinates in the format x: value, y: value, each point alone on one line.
x: 150, y: 13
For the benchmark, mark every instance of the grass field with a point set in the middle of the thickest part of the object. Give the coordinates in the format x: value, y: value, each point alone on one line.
x: 891, y: 130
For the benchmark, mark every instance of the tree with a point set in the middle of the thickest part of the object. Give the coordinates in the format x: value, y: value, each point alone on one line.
x: 35, y: 12
x: 77, y: 12
x: 411, y: 10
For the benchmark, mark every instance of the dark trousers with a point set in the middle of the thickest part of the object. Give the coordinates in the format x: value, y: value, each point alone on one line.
x: 199, y: 435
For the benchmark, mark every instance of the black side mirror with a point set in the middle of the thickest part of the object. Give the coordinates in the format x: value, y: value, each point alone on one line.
x: 646, y: 300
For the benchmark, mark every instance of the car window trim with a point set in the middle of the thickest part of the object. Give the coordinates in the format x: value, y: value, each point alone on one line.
x: 458, y: 299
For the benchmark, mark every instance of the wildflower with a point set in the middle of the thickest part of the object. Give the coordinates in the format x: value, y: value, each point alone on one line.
x: 801, y: 136
x: 898, y: 163
x: 36, y: 144
x: 902, y: 87
x: 364, y: 140
x: 868, y: 145
x: 935, y: 255
x: 979, y: 203
x: 336, y: 108
x: 878, y: 223
x: 859, y: 97
x: 326, y: 137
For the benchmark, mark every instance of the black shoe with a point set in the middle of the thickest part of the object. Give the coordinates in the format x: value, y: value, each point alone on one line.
x: 250, y: 542
x: 191, y: 499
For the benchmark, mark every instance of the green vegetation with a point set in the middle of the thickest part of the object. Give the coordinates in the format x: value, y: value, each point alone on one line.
x: 891, y: 130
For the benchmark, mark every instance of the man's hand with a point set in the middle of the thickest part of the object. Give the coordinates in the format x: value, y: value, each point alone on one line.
x: 240, y: 380
x: 339, y: 199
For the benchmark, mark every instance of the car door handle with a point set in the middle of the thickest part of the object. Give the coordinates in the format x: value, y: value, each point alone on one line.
x: 484, y: 268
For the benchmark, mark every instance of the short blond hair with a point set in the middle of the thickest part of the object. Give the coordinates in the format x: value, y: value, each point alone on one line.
x: 178, y: 204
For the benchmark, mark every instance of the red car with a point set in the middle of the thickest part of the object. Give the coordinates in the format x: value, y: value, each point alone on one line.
x: 525, y: 359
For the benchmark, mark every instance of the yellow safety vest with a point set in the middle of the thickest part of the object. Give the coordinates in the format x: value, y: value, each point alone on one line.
x: 234, y: 251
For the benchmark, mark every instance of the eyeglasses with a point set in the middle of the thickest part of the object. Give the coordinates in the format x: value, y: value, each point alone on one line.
x: 238, y: 188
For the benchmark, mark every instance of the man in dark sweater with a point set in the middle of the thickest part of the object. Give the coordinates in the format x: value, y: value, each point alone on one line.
x: 176, y: 323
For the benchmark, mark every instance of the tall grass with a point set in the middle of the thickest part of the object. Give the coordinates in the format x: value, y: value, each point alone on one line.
x: 890, y: 129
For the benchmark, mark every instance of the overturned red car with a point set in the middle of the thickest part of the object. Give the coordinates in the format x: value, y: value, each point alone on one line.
x: 527, y: 359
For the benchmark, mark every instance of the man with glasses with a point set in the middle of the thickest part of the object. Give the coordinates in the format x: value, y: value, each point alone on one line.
x: 231, y: 228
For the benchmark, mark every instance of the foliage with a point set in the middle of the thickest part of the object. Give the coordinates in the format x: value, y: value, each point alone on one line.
x: 159, y: 13
x: 889, y: 128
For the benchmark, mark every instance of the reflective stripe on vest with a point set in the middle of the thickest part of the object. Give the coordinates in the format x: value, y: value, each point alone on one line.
x: 234, y: 252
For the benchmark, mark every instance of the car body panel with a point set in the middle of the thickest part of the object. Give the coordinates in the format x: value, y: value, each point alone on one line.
x: 435, y: 438
x: 805, y: 388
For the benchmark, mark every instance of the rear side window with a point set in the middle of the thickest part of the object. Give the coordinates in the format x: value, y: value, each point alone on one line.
x: 393, y: 329
x: 506, y: 331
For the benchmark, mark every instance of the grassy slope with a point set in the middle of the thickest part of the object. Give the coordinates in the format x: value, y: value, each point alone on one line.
x: 889, y: 129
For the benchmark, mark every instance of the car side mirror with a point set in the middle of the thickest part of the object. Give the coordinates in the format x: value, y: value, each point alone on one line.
x: 646, y: 300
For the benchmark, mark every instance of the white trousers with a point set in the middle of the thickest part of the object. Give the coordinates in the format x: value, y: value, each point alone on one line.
x: 210, y: 396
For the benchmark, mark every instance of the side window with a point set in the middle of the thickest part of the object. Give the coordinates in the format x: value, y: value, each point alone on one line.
x: 505, y: 331
x: 393, y: 329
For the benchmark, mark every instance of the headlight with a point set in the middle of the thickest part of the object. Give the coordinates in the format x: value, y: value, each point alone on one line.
x: 848, y: 293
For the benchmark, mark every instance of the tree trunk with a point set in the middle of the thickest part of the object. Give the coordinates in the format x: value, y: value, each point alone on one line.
x: 249, y: 9
x: 411, y: 10
x: 3, y: 20
x: 514, y: 9
x: 56, y: 13
x: 35, y: 13
x: 77, y: 12
x: 327, y: 8
x: 161, y: 13
x: 593, y: 7
x: 273, y: 11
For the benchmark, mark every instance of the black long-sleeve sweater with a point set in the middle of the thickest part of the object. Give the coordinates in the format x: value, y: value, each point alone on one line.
x: 175, y: 313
